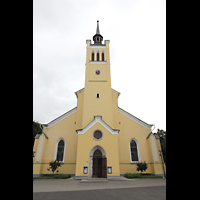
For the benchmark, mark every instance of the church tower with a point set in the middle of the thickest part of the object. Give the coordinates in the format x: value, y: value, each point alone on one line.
x: 97, y: 113
x: 99, y: 98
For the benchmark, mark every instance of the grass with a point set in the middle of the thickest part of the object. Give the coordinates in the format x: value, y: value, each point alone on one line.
x: 53, y: 176
x: 129, y: 175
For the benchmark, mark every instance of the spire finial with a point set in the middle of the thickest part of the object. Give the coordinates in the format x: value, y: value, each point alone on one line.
x: 97, y: 31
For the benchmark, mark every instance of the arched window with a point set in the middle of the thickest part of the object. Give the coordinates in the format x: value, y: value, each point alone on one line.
x: 134, y: 151
x: 60, y: 151
x: 97, y: 56
x: 102, y: 56
x: 93, y: 56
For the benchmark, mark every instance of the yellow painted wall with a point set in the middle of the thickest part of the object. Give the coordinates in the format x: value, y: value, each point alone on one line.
x: 86, y: 142
x: 101, y: 84
x: 130, y: 129
x: 65, y: 129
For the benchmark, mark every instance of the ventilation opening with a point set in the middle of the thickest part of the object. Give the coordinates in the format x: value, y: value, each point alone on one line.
x: 97, y: 95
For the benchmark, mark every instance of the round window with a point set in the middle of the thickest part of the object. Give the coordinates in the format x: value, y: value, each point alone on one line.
x: 97, y: 134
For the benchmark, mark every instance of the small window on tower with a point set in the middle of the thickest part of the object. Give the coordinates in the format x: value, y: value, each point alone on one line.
x: 102, y: 56
x: 92, y: 56
x: 97, y: 95
x: 97, y: 56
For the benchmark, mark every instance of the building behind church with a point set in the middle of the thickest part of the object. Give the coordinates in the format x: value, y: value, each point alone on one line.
x: 97, y: 138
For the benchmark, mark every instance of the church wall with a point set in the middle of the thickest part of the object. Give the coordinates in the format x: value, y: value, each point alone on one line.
x: 98, y: 106
x: 128, y: 130
x: 115, y: 109
x: 109, y: 143
x: 65, y: 129
x: 80, y: 103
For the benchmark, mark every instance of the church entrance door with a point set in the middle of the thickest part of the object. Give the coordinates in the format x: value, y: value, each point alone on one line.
x: 99, y: 165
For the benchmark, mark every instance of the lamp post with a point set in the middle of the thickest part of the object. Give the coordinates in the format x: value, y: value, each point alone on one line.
x: 160, y: 153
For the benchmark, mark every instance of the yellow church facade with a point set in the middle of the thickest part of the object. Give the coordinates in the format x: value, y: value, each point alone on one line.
x: 97, y: 138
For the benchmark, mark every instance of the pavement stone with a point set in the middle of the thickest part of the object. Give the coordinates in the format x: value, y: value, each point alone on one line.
x: 140, y: 193
x: 58, y: 185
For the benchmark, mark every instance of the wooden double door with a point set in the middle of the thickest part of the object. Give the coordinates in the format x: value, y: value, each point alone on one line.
x: 99, y: 165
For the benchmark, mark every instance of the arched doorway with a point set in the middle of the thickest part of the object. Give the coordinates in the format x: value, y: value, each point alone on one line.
x: 98, y: 163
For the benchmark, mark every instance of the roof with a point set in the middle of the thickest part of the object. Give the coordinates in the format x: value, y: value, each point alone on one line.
x: 58, y: 119
x: 76, y: 93
x: 38, y: 135
x: 132, y: 117
x: 156, y: 136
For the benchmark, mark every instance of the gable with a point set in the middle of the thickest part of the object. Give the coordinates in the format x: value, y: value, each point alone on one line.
x: 135, y: 119
x: 60, y: 118
x: 97, y: 119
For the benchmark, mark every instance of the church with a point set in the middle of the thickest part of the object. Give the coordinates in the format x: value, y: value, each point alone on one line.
x: 97, y: 138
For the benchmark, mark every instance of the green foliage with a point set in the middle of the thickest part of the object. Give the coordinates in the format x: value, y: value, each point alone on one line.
x: 53, y: 176
x: 36, y: 129
x: 141, y: 166
x: 162, y: 136
x: 53, y: 166
x: 130, y: 175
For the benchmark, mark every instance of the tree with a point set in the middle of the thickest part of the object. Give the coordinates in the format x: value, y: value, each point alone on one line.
x: 141, y: 166
x: 36, y: 130
x: 162, y: 135
x: 54, y: 165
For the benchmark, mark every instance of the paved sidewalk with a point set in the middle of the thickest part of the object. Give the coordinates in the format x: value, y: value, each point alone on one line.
x: 55, y: 185
x: 138, y: 193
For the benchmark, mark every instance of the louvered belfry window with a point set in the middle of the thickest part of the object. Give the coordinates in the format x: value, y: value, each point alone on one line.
x: 60, y: 151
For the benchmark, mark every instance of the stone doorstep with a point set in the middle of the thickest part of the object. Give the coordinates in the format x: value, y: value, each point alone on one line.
x: 94, y: 180
x: 100, y: 180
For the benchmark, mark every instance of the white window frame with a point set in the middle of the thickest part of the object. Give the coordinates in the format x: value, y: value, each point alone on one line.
x: 138, y: 151
x: 56, y: 149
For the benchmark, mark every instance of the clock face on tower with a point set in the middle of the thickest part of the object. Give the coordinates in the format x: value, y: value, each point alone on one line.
x: 97, y: 72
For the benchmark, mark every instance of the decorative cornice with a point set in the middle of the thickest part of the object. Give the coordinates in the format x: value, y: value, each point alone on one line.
x: 98, y: 62
x: 98, y: 119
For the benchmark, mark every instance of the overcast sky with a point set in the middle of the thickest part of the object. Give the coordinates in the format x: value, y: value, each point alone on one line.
x: 137, y: 33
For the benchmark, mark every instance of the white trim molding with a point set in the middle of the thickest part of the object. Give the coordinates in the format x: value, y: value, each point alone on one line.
x: 98, y: 62
x: 58, y: 119
x: 40, y: 148
x: 56, y: 149
x: 138, y: 151
x: 93, y: 149
x: 135, y: 119
x: 97, y: 47
x: 98, y: 119
x: 154, y: 148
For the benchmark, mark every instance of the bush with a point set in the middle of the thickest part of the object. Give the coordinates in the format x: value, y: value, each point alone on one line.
x: 54, y: 165
x: 141, y: 166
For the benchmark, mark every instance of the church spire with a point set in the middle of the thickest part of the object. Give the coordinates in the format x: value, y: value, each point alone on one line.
x: 97, y: 31
x: 97, y: 38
